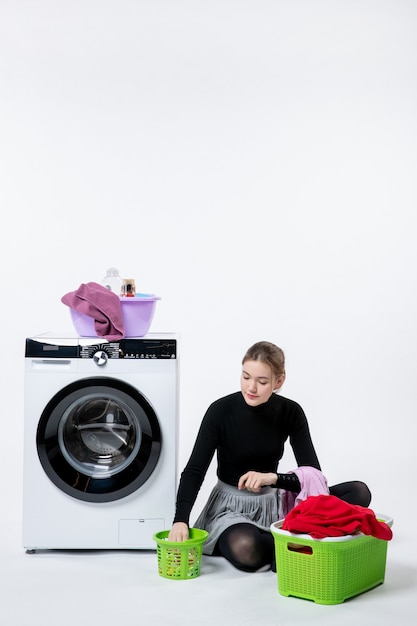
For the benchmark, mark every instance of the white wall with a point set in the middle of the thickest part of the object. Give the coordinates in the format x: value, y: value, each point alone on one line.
x: 251, y: 162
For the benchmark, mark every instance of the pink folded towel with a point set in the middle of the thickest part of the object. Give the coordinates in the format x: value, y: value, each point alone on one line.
x: 102, y: 305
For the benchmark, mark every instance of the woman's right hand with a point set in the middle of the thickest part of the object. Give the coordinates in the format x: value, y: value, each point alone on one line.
x: 178, y: 532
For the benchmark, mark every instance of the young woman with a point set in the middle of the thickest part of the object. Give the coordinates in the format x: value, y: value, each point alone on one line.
x: 248, y: 430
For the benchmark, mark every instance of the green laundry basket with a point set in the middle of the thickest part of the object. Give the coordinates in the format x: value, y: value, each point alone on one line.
x: 330, y: 570
x: 180, y: 560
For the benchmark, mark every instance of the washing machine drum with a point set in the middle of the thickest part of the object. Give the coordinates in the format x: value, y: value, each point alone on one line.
x: 98, y: 439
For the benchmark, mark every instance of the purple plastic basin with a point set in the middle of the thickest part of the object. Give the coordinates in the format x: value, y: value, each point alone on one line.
x: 137, y: 314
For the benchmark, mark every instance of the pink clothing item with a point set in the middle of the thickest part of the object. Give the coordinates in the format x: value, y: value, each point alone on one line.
x: 100, y: 303
x: 329, y: 516
x: 313, y: 483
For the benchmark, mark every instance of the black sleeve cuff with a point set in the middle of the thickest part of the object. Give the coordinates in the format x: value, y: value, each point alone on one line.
x: 289, y: 482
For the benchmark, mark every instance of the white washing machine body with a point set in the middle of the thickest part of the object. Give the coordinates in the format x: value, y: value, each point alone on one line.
x: 100, y: 441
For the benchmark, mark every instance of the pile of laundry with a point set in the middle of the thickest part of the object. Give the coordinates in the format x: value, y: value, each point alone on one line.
x: 315, y: 512
x: 328, y: 516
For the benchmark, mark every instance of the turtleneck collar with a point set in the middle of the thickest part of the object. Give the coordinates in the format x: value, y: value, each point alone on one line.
x: 260, y: 408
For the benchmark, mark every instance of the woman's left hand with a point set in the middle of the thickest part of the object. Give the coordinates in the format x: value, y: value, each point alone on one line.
x: 254, y: 481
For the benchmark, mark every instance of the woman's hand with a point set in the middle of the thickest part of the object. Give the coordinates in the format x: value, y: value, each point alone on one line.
x: 254, y: 481
x: 178, y: 532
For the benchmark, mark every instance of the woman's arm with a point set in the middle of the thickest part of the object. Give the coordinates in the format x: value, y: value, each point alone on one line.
x: 194, y: 472
x: 254, y: 481
x: 301, y: 442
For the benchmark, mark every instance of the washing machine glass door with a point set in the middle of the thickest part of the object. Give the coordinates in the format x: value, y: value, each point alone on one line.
x: 98, y: 439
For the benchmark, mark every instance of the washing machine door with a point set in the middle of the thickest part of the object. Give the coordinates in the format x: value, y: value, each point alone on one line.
x: 98, y: 439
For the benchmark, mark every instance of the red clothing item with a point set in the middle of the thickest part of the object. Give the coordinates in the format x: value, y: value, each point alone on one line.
x: 328, y: 516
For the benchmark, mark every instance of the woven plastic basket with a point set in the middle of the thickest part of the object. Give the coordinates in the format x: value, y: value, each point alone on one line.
x: 180, y: 560
x: 330, y: 570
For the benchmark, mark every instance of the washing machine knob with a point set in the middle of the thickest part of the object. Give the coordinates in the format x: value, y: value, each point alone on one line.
x: 100, y: 357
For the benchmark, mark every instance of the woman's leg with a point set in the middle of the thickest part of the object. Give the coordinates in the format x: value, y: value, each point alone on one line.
x: 246, y: 547
x: 354, y: 492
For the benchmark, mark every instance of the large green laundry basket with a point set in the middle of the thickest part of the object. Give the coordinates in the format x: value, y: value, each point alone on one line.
x: 180, y: 560
x: 330, y: 570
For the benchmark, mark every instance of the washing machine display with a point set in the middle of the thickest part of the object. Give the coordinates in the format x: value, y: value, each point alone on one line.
x: 100, y: 441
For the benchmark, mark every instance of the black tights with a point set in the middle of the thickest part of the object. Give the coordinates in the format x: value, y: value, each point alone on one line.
x: 246, y: 546
x: 354, y: 492
x: 250, y: 548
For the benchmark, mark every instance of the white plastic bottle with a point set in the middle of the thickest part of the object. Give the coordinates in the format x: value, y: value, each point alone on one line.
x: 114, y: 282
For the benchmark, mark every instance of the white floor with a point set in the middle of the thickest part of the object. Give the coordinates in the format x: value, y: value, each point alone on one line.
x: 121, y: 587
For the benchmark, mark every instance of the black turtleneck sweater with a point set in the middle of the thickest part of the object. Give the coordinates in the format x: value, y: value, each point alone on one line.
x: 246, y: 438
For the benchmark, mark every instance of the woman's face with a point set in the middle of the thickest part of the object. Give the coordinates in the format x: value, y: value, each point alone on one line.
x: 257, y: 382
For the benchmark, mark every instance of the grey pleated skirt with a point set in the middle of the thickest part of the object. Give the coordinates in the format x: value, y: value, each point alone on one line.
x: 227, y: 506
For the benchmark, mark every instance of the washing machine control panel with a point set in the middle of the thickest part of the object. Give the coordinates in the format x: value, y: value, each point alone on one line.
x: 101, y: 351
x: 130, y: 349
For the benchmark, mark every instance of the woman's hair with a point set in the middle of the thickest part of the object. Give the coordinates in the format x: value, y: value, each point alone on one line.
x: 269, y: 354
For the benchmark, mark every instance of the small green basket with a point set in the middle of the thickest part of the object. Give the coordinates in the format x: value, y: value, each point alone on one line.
x: 180, y: 560
x: 330, y: 570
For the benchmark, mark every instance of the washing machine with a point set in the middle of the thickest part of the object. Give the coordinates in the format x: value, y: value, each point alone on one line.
x: 100, y: 441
